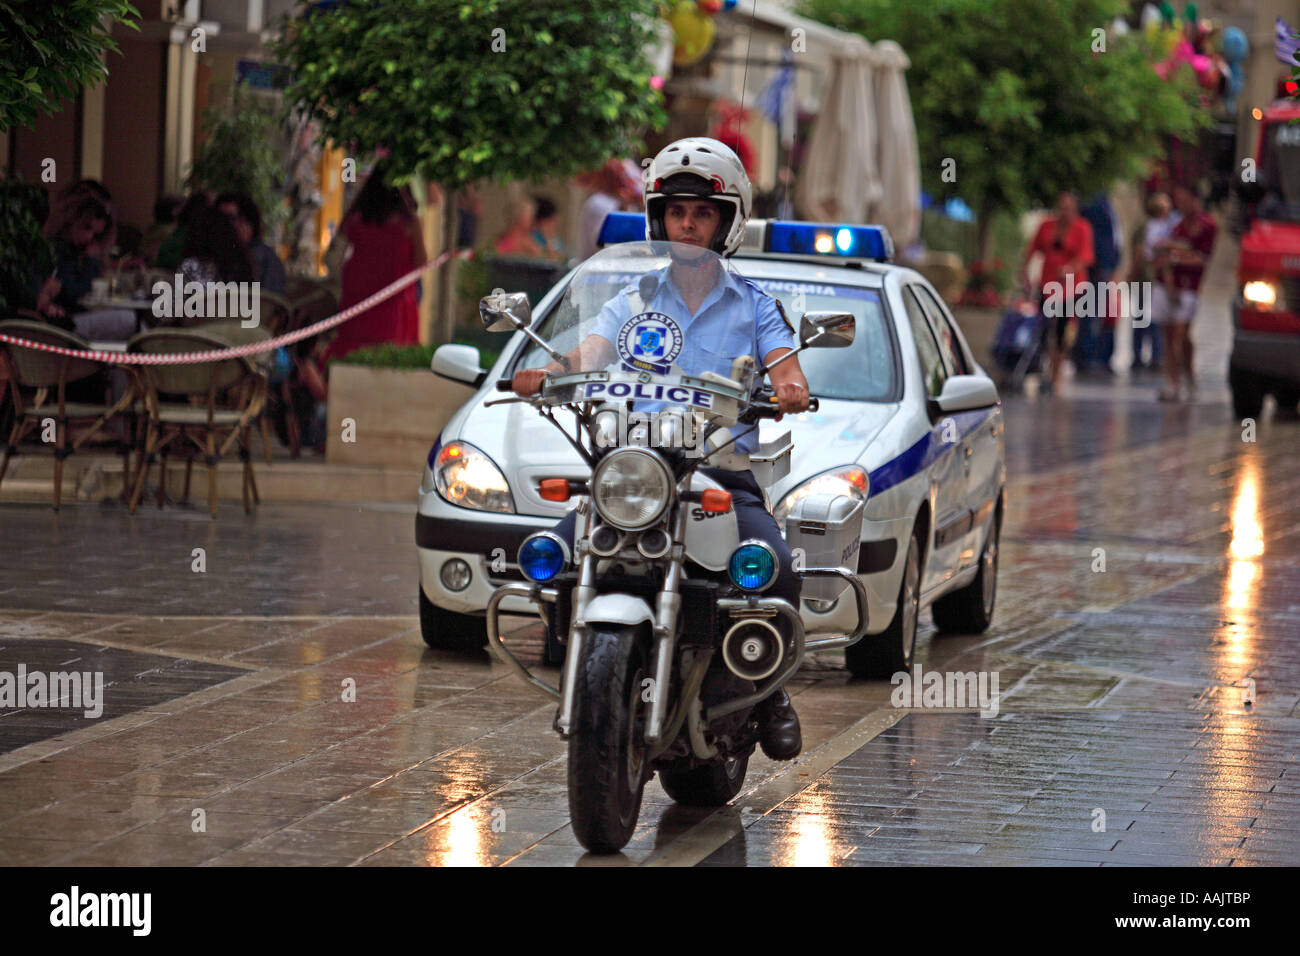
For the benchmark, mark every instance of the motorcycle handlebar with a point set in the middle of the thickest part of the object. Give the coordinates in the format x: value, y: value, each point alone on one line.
x: 505, y: 384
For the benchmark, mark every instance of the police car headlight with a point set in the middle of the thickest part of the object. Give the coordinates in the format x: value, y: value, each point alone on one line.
x: 631, y: 488
x: 466, y: 477
x: 851, y: 481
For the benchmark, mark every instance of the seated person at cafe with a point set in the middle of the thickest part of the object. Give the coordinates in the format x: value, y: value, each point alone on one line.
x: 243, y: 213
x: 213, y: 251
x: 80, y: 228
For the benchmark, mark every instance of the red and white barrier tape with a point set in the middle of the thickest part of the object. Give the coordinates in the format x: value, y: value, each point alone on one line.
x: 252, y: 348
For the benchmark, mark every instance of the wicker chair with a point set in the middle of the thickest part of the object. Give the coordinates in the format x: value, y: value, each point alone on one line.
x: 201, y: 426
x: 33, y: 369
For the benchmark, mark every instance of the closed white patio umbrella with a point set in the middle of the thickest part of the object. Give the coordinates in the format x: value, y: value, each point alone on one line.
x: 839, y: 179
x: 899, y: 169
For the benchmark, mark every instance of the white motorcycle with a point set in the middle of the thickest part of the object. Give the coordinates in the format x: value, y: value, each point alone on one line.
x: 671, y: 641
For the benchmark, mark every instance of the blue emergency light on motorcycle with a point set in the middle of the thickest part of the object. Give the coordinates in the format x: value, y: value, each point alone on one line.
x: 829, y: 239
x: 542, y: 556
x: 752, y: 566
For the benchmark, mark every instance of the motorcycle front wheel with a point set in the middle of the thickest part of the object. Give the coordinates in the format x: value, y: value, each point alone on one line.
x: 607, y: 754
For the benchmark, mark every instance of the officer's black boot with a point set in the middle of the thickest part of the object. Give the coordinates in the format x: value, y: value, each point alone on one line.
x: 778, y: 727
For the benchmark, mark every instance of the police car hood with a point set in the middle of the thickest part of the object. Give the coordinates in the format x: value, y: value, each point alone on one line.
x: 528, y: 448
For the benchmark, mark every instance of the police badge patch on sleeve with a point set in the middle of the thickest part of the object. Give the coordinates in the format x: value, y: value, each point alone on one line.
x: 649, y: 342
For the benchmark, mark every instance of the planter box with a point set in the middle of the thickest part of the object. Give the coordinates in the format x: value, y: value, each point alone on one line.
x: 398, y: 414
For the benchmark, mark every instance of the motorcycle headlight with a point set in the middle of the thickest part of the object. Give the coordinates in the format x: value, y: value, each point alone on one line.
x: 466, y: 477
x: 850, y: 480
x: 631, y: 488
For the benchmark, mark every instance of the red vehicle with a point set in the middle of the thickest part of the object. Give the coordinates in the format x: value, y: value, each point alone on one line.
x: 1266, y: 313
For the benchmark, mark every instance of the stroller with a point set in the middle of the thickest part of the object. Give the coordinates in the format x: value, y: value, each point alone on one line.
x: 1019, y: 342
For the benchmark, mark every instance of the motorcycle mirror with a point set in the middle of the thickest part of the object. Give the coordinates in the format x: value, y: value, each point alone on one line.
x: 505, y: 311
x: 827, y: 330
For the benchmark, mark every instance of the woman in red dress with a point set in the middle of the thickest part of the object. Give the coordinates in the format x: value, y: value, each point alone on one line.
x: 384, y: 233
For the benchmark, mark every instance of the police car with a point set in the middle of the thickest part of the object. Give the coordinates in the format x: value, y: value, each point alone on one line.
x: 908, y: 422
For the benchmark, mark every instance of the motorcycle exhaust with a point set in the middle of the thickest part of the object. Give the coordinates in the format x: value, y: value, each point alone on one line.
x: 753, y: 649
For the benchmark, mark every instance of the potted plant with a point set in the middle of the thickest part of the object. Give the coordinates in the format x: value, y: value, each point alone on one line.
x: 386, y: 407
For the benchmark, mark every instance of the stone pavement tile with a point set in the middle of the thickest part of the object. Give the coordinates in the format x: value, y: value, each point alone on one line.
x: 172, y: 840
x: 19, y: 797
x: 1263, y: 854
x: 56, y: 625
x: 473, y: 837
x: 394, y: 820
x: 323, y: 787
x: 293, y: 846
x: 551, y: 854
x: 1127, y: 853
x: 244, y: 801
x: 29, y: 850
x: 178, y: 780
x: 79, y: 826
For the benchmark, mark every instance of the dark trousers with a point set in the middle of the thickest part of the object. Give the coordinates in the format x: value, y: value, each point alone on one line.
x: 752, y: 521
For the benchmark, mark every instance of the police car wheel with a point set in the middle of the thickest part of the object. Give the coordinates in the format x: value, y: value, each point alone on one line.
x: 449, y: 631
x: 880, y: 656
x: 970, y: 610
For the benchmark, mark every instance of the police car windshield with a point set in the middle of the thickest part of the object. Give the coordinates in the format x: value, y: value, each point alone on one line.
x: 668, y: 309
x: 863, y: 372
x: 628, y: 295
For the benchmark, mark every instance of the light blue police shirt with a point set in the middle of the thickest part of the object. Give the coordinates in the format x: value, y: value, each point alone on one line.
x: 735, y: 318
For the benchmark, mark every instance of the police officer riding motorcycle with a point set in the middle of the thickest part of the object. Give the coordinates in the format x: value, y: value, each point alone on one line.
x: 669, y: 665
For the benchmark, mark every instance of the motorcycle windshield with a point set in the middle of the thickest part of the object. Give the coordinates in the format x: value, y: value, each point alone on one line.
x: 666, y: 310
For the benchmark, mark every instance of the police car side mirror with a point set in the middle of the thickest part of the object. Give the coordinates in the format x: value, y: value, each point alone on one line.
x: 460, y: 363
x: 505, y: 311
x: 827, y: 330
x: 963, y: 393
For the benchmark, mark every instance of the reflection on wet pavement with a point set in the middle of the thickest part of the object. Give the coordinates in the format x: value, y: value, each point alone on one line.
x: 1147, y: 645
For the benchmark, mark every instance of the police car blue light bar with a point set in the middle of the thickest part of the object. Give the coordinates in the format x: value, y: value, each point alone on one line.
x: 622, y: 227
x: 829, y: 239
x: 820, y: 239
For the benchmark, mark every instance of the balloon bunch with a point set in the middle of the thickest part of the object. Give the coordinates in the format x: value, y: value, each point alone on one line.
x: 693, y: 27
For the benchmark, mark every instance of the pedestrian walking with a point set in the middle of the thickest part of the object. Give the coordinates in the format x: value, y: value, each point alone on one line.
x: 1188, y: 251
x: 1161, y: 219
x: 1065, y: 243
x: 1097, y: 332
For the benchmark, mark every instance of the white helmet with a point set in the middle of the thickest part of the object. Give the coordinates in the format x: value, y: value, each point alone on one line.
x: 700, y: 168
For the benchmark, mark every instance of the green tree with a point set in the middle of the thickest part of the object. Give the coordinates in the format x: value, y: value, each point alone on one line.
x: 52, y: 50
x: 460, y: 91
x: 1020, y: 95
x: 239, y: 155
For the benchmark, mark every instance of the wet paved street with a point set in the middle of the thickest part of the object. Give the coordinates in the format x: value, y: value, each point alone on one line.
x: 1123, y: 734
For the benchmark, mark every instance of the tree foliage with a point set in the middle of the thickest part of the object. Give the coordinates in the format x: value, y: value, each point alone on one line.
x: 239, y: 154
x: 458, y: 91
x: 52, y: 49
x: 1015, y: 93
